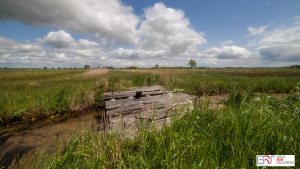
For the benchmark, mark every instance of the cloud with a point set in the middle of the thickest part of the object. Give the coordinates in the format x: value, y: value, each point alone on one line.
x: 281, y: 53
x: 237, y: 18
x: 15, y: 52
x: 226, y: 52
x: 12, y: 54
x: 65, y: 43
x: 167, y: 29
x: 112, y: 20
x: 9, y: 46
x: 67, y: 51
x: 280, y: 44
x: 223, y: 43
x: 162, y: 33
x: 137, y: 54
x: 83, y: 43
x: 281, y: 37
x: 59, y: 39
x: 256, y: 31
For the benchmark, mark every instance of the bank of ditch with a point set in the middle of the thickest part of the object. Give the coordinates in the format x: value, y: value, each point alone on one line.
x: 203, y: 138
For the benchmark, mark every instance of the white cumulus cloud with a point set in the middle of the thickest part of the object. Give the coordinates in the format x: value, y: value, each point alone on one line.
x: 9, y: 46
x: 227, y: 42
x: 256, y: 31
x: 168, y: 29
x: 226, y: 52
x: 112, y: 20
x: 59, y: 39
x: 279, y: 44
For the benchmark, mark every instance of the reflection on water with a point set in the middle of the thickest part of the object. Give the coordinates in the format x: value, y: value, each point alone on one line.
x: 26, y: 137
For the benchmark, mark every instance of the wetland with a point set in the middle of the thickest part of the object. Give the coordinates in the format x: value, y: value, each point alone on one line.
x: 41, y: 109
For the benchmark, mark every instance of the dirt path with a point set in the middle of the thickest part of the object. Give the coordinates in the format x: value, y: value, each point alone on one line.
x: 95, y: 72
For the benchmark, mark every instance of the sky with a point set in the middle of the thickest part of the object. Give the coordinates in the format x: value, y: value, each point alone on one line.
x: 124, y: 33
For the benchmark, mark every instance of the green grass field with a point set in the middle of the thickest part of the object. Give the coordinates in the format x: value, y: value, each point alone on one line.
x: 230, y: 137
x: 32, y: 94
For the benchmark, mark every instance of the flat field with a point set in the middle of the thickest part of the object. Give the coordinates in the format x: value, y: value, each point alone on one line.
x: 32, y: 94
x: 231, y: 137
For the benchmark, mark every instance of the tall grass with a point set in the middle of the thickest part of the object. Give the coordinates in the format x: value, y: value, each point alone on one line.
x: 230, y: 137
x: 26, y: 95
x: 200, y: 84
x: 203, y: 138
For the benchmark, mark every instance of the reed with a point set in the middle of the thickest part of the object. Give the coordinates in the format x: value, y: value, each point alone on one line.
x: 203, y: 138
x: 27, y: 95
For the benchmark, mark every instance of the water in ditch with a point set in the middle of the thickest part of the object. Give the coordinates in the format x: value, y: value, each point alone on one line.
x: 30, y: 137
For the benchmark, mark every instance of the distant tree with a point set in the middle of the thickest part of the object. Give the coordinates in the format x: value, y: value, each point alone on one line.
x: 5, y: 67
x: 86, y: 66
x: 52, y: 68
x: 58, y: 67
x: 295, y: 66
x: 164, y: 67
x: 45, y: 68
x: 156, y: 66
x: 133, y: 67
x: 192, y: 63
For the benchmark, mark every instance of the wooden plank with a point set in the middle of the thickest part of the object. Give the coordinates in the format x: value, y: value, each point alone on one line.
x: 123, y: 95
x: 155, y: 90
x: 152, y: 105
x: 154, y: 101
x: 128, y: 106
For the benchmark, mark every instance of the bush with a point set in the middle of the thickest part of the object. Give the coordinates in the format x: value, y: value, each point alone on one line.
x: 132, y: 67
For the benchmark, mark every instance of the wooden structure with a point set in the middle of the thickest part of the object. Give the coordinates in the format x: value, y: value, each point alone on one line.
x: 126, y: 109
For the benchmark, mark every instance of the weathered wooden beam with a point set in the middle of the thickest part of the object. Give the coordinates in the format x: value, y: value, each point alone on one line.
x: 146, y: 104
x: 151, y: 91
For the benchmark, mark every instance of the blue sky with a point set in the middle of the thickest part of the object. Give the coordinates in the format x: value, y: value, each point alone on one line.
x: 216, y: 33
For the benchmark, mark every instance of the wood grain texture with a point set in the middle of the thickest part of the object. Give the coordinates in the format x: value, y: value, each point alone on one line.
x: 156, y: 105
x: 153, y: 90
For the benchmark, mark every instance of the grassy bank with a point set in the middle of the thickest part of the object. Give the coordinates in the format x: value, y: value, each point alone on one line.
x: 32, y: 94
x: 203, y: 138
x: 29, y: 95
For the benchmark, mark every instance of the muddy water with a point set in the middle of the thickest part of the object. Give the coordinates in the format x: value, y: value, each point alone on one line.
x: 31, y: 137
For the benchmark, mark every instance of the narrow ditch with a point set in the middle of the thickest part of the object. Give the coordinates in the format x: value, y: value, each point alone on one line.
x: 30, y: 137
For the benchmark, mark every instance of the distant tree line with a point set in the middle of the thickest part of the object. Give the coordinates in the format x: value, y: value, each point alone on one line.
x: 295, y: 66
x: 191, y: 63
x: 132, y: 67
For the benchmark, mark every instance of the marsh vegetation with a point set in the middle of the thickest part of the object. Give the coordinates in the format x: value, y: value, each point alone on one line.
x: 229, y: 137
